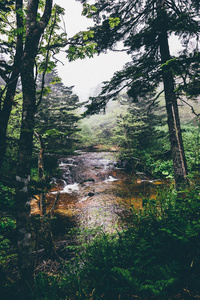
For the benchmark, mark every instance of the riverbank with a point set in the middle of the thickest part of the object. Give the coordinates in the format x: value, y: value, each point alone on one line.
x: 111, y: 236
x: 155, y: 256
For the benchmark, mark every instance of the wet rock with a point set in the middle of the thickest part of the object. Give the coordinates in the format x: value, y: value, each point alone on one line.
x: 88, y: 179
x: 87, y: 168
x: 90, y: 194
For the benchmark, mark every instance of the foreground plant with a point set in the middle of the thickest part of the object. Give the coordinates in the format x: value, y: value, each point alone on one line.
x: 156, y: 256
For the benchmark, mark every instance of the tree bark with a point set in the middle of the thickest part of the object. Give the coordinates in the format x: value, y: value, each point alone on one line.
x: 11, y: 85
x: 42, y: 199
x: 34, y: 30
x: 23, y: 200
x: 175, y: 135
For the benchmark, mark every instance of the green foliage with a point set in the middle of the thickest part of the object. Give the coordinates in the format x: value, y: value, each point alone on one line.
x: 138, y: 131
x: 187, y: 66
x: 13, y: 131
x: 114, y: 22
x: 191, y: 138
x: 7, y: 227
x: 100, y: 129
x: 13, y: 134
x: 45, y: 287
x: 52, y: 41
x: 140, y: 135
x: 82, y: 52
x: 6, y: 197
x: 4, y: 246
x: 7, y: 223
x: 155, y: 256
x: 88, y: 10
x: 56, y: 118
x: 136, y: 25
x: 7, y: 27
x: 87, y: 49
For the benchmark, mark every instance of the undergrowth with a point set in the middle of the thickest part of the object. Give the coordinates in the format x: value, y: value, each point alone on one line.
x: 155, y: 256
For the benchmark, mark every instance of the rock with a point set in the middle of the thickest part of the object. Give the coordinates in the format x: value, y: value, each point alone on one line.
x: 90, y: 194
x: 88, y: 179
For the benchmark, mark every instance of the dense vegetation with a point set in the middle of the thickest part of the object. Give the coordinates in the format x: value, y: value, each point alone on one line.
x: 155, y: 255
x: 139, y: 133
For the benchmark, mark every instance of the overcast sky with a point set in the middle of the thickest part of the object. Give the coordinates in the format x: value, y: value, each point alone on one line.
x: 85, y: 74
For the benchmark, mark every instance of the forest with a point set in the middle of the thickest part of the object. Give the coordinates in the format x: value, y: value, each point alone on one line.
x: 100, y: 199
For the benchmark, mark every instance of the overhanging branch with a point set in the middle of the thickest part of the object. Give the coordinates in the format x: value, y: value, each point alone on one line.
x: 192, y: 108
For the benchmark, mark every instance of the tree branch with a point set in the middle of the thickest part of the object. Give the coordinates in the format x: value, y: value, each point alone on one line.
x: 46, y: 61
x: 192, y: 108
x: 154, y: 100
x: 46, y: 15
x: 4, y: 76
x: 32, y: 9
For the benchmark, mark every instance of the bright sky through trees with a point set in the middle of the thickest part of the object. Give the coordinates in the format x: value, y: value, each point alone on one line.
x: 85, y: 74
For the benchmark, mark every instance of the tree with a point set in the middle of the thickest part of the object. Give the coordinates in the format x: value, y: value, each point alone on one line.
x: 13, y: 46
x: 55, y: 117
x: 145, y: 27
x: 34, y: 29
x: 35, y: 43
x: 10, y: 73
x: 36, y: 33
x: 138, y: 134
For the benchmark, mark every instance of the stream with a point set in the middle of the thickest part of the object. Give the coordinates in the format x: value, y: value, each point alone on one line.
x: 94, y: 191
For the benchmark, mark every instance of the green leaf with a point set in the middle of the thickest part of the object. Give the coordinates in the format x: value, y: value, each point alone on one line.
x: 88, y: 10
x: 113, y: 22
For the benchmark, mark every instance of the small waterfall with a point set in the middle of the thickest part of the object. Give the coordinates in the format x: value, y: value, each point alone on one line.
x: 110, y: 179
x: 70, y: 188
x: 68, y: 169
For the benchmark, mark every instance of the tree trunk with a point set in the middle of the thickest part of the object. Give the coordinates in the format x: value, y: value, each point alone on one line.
x: 23, y: 200
x: 11, y: 86
x: 4, y: 117
x: 34, y: 30
x: 177, y: 148
x: 42, y: 200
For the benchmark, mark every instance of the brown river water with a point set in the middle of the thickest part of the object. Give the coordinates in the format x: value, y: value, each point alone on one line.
x: 95, y: 192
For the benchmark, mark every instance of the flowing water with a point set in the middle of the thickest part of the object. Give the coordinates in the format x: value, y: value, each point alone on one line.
x: 95, y: 192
